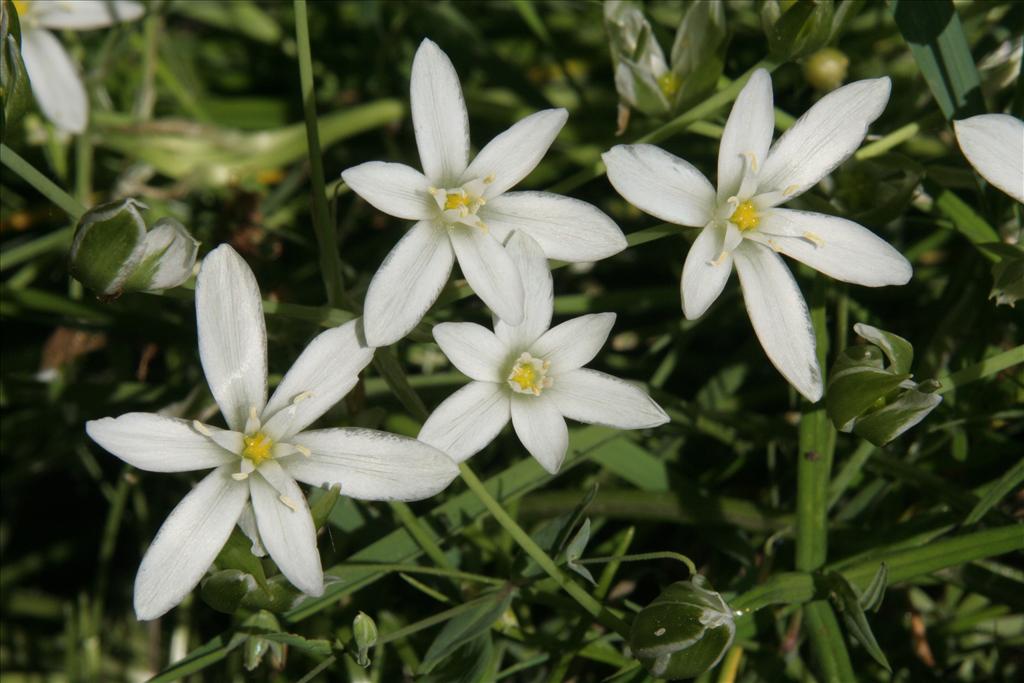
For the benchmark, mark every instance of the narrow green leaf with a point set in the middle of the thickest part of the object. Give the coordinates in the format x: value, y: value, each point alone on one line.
x: 1008, y: 482
x: 871, y: 598
x: 849, y: 606
x: 466, y: 627
x: 936, y: 39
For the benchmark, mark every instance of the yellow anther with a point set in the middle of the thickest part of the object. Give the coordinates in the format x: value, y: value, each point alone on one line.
x: 718, y: 259
x: 791, y: 190
x: 745, y: 216
x: 457, y: 200
x: 289, y: 502
x: 489, y: 179
x: 669, y: 84
x: 525, y: 376
x: 258, y: 448
x: 21, y: 6
x: 814, y: 239
x: 201, y: 428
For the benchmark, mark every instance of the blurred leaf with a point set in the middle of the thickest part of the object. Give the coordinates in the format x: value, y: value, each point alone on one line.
x: 799, y: 29
x: 871, y: 598
x: 1010, y: 481
x: 1007, y: 273
x: 241, y: 16
x: 574, y: 551
x: 467, y: 664
x: 15, y: 88
x: 466, y: 627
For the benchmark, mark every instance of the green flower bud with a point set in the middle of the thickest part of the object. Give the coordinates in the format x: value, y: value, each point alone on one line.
x: 15, y: 91
x: 256, y: 647
x: 826, y: 69
x: 114, y: 251
x: 684, y: 632
x: 364, y: 631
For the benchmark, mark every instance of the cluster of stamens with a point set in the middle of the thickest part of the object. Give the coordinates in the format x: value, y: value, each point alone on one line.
x: 459, y: 205
x: 529, y: 375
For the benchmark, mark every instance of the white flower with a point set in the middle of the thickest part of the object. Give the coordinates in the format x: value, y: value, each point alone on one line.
x: 55, y: 80
x: 994, y: 144
x: 743, y: 226
x: 463, y: 210
x: 265, y: 448
x: 533, y: 374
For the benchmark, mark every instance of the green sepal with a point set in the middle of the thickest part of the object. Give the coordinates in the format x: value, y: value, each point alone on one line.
x: 108, y: 245
x: 684, y: 632
x: 15, y: 88
x: 224, y: 590
x: 237, y: 554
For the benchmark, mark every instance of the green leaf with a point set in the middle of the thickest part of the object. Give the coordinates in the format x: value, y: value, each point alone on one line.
x: 871, y: 598
x: 1007, y: 483
x: 937, y: 41
x: 466, y: 627
x: 574, y: 551
x: 1007, y: 274
x: 849, y: 605
x: 237, y: 554
x: 803, y: 28
x: 467, y: 664
x: 321, y: 506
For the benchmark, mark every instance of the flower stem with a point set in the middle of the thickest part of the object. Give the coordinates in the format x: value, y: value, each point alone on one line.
x: 327, y: 241
x: 585, y: 600
x: 46, y: 187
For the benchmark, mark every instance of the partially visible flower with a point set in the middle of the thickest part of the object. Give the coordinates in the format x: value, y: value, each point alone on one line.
x: 115, y: 251
x: 464, y: 210
x: 56, y: 82
x: 743, y: 225
x: 265, y: 448
x: 533, y: 375
x: 994, y: 144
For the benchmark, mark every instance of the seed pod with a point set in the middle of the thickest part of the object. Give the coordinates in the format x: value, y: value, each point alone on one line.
x: 114, y: 251
x: 684, y: 632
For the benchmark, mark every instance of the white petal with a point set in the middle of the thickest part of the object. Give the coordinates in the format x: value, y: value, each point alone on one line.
x: 541, y: 428
x: 747, y: 132
x: 596, y: 398
x: 173, y: 249
x: 511, y: 156
x: 439, y: 115
x: 565, y: 228
x: 395, y: 189
x: 575, y: 342
x: 538, y: 293
x: 55, y: 81
x: 705, y: 271
x: 158, y: 444
x: 490, y: 271
x: 468, y: 420
x: 232, y: 335
x: 247, y: 523
x: 835, y: 246
x: 188, y: 542
x: 474, y: 350
x: 325, y: 371
x: 779, y: 315
x: 371, y: 465
x: 407, y: 283
x: 82, y: 15
x: 660, y: 184
x: 994, y: 144
x: 288, y: 534
x: 824, y: 137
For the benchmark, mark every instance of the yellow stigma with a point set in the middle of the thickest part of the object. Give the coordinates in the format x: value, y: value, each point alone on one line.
x: 669, y: 84
x: 745, y: 216
x: 525, y: 376
x: 20, y: 6
x: 257, y: 448
x: 456, y: 200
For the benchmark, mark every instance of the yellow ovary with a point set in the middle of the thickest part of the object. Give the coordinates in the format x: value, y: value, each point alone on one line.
x: 258, y: 448
x: 529, y: 375
x: 745, y: 216
x: 456, y: 200
x: 525, y: 376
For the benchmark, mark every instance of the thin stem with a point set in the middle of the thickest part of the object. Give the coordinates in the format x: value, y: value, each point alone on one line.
x: 893, y: 139
x: 46, y: 187
x: 643, y: 557
x: 420, y: 534
x: 585, y: 600
x: 325, y: 235
x: 419, y: 569
x: 989, y: 366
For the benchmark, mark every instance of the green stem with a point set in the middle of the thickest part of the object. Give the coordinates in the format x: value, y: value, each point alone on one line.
x: 325, y: 234
x: 893, y: 139
x: 46, y: 187
x: 644, y: 557
x: 419, y: 569
x: 585, y: 600
x: 989, y: 366
x: 420, y: 534
x: 83, y: 169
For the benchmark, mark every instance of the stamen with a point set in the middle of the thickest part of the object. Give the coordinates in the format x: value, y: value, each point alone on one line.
x: 252, y: 424
x: 302, y: 449
x: 529, y: 375
x: 751, y: 160
x: 201, y: 428
x: 718, y: 259
x: 791, y: 190
x: 289, y: 502
x: 489, y: 179
x: 240, y: 476
x: 775, y: 246
x: 302, y: 397
x: 814, y: 239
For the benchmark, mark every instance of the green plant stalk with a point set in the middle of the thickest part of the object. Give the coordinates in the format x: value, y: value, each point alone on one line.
x: 585, y: 600
x: 46, y: 187
x: 817, y: 440
x: 326, y: 238
x: 990, y: 366
x: 83, y: 169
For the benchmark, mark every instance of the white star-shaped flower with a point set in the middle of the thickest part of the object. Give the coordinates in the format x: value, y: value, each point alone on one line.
x: 743, y: 225
x: 464, y: 210
x: 55, y: 80
x: 532, y: 374
x: 994, y: 144
x: 265, y: 448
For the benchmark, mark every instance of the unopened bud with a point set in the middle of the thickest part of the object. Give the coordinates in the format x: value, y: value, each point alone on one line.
x: 114, y: 251
x: 684, y: 632
x: 826, y: 69
x: 364, y: 631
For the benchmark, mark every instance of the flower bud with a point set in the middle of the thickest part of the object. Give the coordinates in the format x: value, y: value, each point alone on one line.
x: 826, y: 69
x: 256, y: 647
x: 684, y: 632
x: 364, y: 631
x: 114, y: 251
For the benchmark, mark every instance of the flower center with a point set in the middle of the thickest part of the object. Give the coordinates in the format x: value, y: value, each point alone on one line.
x: 669, y: 84
x: 460, y: 204
x: 745, y: 216
x: 258, y: 448
x: 529, y: 375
